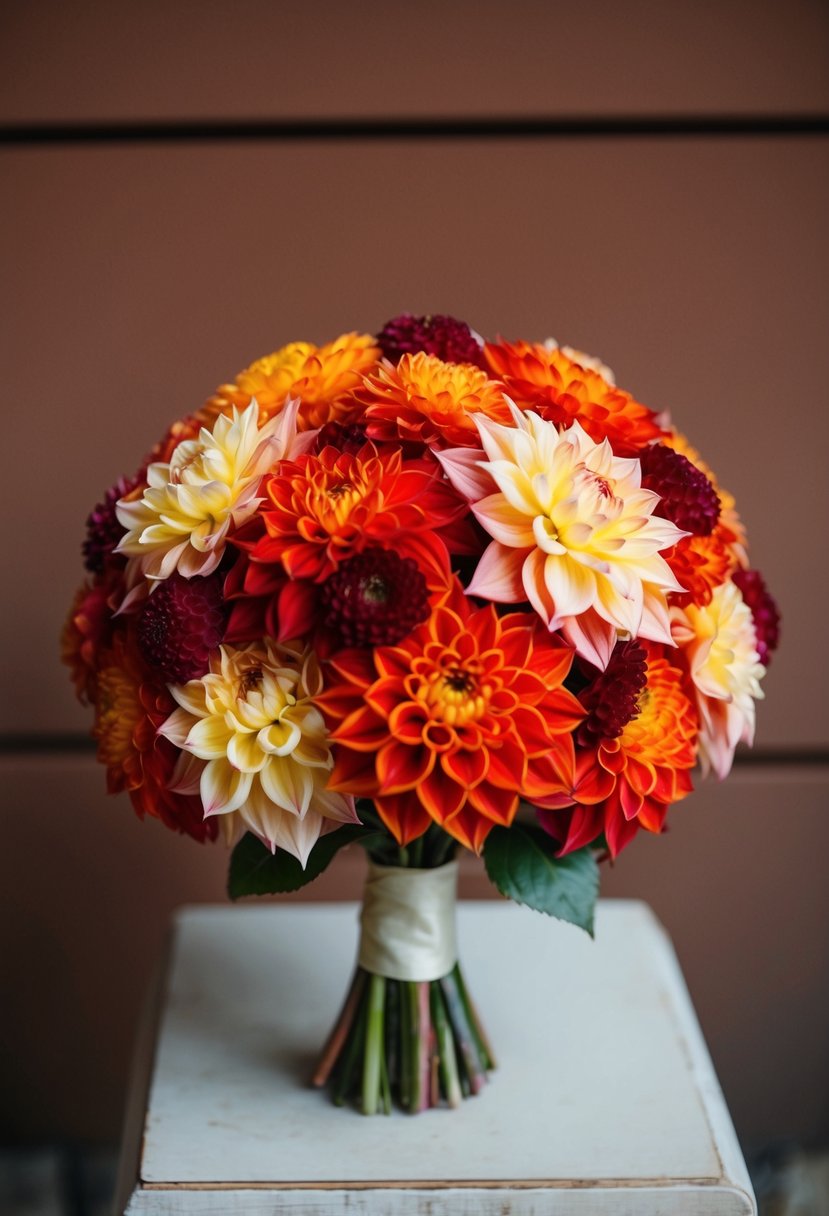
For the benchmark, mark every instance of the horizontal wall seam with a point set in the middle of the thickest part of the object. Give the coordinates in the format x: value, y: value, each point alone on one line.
x: 211, y: 130
x: 67, y: 743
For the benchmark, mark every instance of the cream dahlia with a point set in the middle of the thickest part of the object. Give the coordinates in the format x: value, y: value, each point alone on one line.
x: 210, y: 484
x: 253, y: 721
x: 719, y: 643
x: 573, y: 532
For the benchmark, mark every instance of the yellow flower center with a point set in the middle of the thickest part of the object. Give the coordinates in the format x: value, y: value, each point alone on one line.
x: 454, y: 695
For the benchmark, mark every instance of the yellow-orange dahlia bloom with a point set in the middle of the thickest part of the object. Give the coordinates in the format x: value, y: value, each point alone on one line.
x: 322, y: 377
x: 129, y: 708
x: 573, y: 532
x: 562, y: 390
x: 629, y: 782
x: 719, y: 643
x: 253, y: 721
x: 456, y: 723
x: 425, y: 400
x: 592, y: 362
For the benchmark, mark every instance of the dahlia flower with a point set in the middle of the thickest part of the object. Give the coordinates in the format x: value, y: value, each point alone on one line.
x: 449, y: 339
x: 87, y: 631
x: 322, y: 510
x: 424, y: 400
x: 719, y: 644
x: 627, y: 778
x: 592, y: 362
x: 322, y: 377
x: 573, y: 532
x: 254, y: 722
x: 561, y: 389
x: 209, y: 486
x: 764, y: 611
x: 455, y: 724
x: 130, y: 706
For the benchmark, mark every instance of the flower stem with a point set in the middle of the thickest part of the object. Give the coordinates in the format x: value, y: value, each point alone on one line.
x: 415, y: 1102
x: 424, y: 1054
x: 373, y: 1057
x: 349, y: 1060
x: 342, y: 1026
x: 405, y: 1044
x: 445, y: 1049
x: 474, y: 1066
x: 482, y: 1039
x: 393, y: 1032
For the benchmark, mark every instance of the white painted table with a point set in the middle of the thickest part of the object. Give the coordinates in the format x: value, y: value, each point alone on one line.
x: 605, y: 1100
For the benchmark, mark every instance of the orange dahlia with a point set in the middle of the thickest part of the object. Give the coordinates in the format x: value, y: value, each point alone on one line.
x: 425, y: 400
x: 700, y: 565
x: 321, y: 376
x: 455, y: 724
x: 546, y: 380
x: 627, y: 780
x: 130, y: 707
x: 321, y: 510
x: 86, y: 631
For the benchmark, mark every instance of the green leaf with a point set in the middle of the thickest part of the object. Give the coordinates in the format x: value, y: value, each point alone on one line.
x: 520, y: 863
x: 254, y: 870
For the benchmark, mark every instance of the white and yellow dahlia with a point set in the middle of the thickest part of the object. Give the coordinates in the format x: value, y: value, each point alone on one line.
x: 182, y: 520
x: 719, y: 643
x: 253, y: 721
x: 573, y: 532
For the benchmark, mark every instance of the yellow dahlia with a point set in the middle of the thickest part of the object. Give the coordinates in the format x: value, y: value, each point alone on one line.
x: 573, y: 532
x: 719, y: 643
x: 321, y: 376
x: 183, y: 518
x: 253, y: 720
x: 425, y: 400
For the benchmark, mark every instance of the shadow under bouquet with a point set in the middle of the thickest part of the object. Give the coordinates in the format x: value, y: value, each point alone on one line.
x: 418, y: 592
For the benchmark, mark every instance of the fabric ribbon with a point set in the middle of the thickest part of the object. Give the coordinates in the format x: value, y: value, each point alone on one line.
x: 407, y: 922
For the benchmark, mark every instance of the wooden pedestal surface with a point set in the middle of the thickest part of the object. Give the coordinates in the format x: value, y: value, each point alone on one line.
x: 605, y: 1100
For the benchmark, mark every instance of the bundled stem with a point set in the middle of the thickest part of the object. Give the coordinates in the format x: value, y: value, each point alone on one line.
x: 418, y: 1043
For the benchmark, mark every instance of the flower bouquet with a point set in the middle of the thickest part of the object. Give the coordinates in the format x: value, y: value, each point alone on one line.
x: 418, y: 592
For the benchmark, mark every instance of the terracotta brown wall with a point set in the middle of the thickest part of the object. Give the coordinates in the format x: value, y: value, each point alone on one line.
x: 138, y: 274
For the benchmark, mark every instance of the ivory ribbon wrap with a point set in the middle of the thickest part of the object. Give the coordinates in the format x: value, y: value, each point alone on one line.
x: 408, y: 922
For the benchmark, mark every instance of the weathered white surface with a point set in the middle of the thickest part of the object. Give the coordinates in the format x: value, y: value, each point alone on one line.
x: 604, y: 1101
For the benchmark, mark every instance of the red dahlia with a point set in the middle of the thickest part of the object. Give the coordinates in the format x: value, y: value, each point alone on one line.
x: 612, y: 699
x: 448, y: 339
x: 103, y: 531
x: 764, y: 610
x: 180, y: 623
x: 375, y: 599
x: 344, y: 436
x: 689, y: 500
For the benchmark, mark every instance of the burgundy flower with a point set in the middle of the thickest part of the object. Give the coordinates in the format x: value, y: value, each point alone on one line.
x: 612, y: 699
x: 344, y: 436
x: 689, y: 500
x: 180, y: 624
x: 448, y: 339
x: 375, y: 598
x: 103, y: 531
x: 764, y: 610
